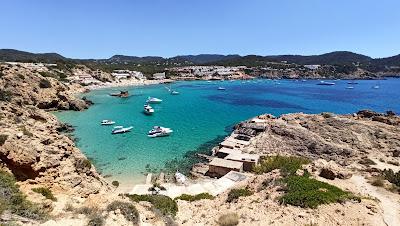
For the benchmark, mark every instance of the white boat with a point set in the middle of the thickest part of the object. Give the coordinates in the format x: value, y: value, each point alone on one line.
x: 180, y: 178
x: 323, y: 83
x: 174, y: 92
x: 350, y: 87
x: 375, y: 87
x: 159, y: 131
x: 107, y: 122
x: 221, y: 88
x: 153, y: 100
x: 121, y: 129
x: 148, y: 110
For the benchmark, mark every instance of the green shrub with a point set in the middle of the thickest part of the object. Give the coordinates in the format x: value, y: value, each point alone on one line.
x: 309, y: 193
x: 165, y: 204
x: 127, y: 210
x: 234, y: 194
x: 378, y: 182
x: 26, y: 132
x: 86, y: 210
x: 3, y: 138
x: 191, y: 198
x: 115, y: 183
x: 45, y: 192
x: 96, y: 219
x: 326, y: 114
x: 287, y: 164
x: 12, y: 199
x: 366, y: 162
x: 83, y: 164
x: 391, y: 176
x: 229, y: 219
x: 5, y: 95
x: 44, y: 83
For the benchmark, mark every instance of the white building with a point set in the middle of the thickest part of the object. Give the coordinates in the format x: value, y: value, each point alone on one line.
x: 127, y: 74
x: 159, y: 76
x: 312, y: 67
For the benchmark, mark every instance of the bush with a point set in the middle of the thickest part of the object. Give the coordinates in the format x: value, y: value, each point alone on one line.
x: 45, y: 192
x: 12, y: 199
x: 115, y: 183
x: 5, y: 95
x: 86, y: 210
x: 366, y: 162
x: 310, y: 193
x: 83, y: 164
x: 229, y: 219
x: 234, y: 194
x: 44, y: 83
x: 391, y: 176
x: 165, y: 204
x: 96, y: 219
x: 191, y: 198
x: 3, y: 138
x: 127, y: 210
x: 287, y: 164
x: 326, y: 115
x: 26, y: 132
x: 378, y: 182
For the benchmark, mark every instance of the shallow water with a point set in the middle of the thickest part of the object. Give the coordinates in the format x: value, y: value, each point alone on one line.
x: 201, y: 113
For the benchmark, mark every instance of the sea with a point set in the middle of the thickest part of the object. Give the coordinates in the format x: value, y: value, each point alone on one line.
x: 201, y: 116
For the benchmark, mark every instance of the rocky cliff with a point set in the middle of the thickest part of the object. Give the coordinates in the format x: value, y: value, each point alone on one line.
x: 34, y: 147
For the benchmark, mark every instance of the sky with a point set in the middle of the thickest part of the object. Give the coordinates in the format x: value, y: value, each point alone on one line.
x: 100, y: 28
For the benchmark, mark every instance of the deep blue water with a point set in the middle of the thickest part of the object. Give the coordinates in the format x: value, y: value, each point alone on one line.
x: 201, y: 113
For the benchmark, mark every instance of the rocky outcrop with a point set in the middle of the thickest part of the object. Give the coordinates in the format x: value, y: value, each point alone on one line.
x: 341, y: 138
x: 36, y: 150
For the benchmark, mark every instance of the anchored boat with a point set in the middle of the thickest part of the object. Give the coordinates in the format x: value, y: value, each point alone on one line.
x: 159, y: 131
x: 120, y: 94
x: 121, y: 129
x: 323, y: 83
x: 153, y: 100
x: 107, y: 122
x: 148, y: 110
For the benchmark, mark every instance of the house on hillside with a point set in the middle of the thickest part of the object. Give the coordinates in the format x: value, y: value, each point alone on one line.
x: 159, y: 76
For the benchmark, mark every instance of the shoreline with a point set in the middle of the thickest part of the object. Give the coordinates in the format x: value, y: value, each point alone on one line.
x: 128, y: 83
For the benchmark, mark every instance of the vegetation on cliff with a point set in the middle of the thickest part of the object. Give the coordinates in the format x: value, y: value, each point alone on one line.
x: 164, y: 204
x: 12, y: 199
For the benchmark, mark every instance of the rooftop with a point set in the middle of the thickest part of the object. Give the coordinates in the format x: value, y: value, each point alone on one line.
x: 243, y: 157
x: 226, y: 163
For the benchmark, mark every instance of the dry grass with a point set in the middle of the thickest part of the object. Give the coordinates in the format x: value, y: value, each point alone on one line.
x: 229, y: 219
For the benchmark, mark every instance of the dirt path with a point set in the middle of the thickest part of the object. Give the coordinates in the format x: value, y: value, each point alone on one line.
x: 389, y: 202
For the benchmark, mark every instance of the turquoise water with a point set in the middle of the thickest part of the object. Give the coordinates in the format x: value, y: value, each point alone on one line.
x: 201, y: 113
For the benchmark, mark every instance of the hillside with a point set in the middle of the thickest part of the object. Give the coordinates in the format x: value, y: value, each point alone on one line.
x: 16, y: 55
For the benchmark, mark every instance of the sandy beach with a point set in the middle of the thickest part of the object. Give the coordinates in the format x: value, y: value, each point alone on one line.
x: 128, y: 82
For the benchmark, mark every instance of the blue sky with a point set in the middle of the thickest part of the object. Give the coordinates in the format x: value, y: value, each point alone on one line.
x: 100, y: 29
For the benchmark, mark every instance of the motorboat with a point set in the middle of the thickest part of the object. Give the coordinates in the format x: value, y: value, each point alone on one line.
x: 323, y: 83
x: 153, y: 100
x: 352, y: 83
x: 375, y: 87
x: 173, y: 92
x: 121, y: 129
x: 148, y: 110
x: 180, y: 178
x: 221, y: 88
x: 350, y: 87
x: 120, y: 94
x: 159, y: 131
x: 107, y: 122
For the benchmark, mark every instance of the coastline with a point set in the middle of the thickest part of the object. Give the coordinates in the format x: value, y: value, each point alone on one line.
x: 126, y: 83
